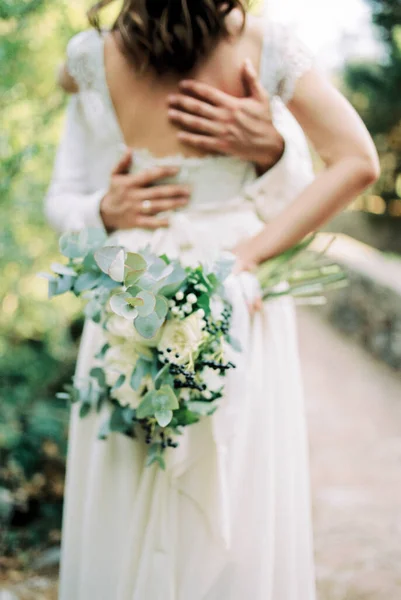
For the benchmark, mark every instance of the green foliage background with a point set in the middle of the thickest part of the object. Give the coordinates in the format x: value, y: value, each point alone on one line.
x: 37, y: 337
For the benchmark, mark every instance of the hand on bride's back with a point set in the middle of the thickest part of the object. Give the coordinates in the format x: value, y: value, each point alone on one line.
x: 134, y: 200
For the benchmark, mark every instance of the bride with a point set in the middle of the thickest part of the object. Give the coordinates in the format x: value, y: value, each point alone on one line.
x: 230, y: 518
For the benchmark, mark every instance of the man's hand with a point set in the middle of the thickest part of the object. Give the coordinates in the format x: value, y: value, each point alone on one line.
x: 216, y: 122
x: 135, y: 200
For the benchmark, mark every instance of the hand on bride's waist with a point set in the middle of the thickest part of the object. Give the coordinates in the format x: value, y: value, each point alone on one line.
x: 135, y: 201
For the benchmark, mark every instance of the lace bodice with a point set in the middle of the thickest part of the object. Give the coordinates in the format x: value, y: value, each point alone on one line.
x: 93, y: 141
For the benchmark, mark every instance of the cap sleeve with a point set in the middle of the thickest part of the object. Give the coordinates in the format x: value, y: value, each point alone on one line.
x: 285, y: 58
x: 83, y: 56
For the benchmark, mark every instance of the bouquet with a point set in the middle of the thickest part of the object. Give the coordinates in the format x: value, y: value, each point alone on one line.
x: 166, y: 342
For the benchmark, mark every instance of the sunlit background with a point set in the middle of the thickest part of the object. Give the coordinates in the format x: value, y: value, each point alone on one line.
x: 352, y: 345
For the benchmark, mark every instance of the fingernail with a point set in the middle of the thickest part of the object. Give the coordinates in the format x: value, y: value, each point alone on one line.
x: 171, y: 98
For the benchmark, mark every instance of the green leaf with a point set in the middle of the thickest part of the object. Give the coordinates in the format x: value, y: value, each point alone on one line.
x: 93, y: 310
x: 102, y: 352
x: 135, y: 262
x: 70, y: 245
x: 65, y: 283
x: 128, y: 415
x: 163, y: 417
x: 161, y: 307
x: 92, y: 238
x: 169, y: 286
x: 110, y: 260
x: 63, y: 269
x: 156, y: 401
x: 85, y: 409
x: 98, y: 374
x: 148, y: 303
x: 148, y: 326
x: 204, y: 303
x: 202, y: 408
x: 86, y: 281
x: 119, y: 305
x: 155, y: 456
x: 142, y: 368
x: 159, y: 380
x: 120, y: 381
x: 117, y: 421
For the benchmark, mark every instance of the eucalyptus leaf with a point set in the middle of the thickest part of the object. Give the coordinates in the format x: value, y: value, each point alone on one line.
x: 120, y: 381
x: 147, y: 327
x: 65, y: 284
x: 110, y: 260
x: 148, y: 303
x: 119, y: 305
x: 162, y: 374
x: 142, y: 368
x: 202, y: 408
x: 163, y: 417
x: 91, y: 239
x: 161, y: 307
x: 117, y: 421
x: 86, y: 281
x: 99, y: 374
x: 85, y: 409
x: 70, y: 245
x: 63, y: 269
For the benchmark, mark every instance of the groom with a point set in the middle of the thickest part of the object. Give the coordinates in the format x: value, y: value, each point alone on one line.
x: 255, y: 128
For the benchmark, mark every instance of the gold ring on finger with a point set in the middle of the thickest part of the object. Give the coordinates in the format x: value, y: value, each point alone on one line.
x: 146, y: 206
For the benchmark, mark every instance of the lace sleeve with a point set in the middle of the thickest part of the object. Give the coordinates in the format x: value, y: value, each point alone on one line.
x: 82, y: 58
x: 285, y: 59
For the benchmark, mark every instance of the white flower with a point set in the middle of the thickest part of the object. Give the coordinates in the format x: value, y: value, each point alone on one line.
x: 171, y: 303
x: 175, y: 310
x: 207, y: 394
x: 187, y: 308
x: 179, y: 296
x: 121, y: 360
x: 200, y: 312
x: 120, y: 327
x: 183, y: 337
x: 192, y: 299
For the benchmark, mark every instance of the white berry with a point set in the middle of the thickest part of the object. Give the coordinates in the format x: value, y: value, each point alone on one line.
x: 179, y: 296
x: 192, y: 299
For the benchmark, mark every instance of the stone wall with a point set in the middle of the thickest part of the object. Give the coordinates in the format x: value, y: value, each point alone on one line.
x: 369, y: 308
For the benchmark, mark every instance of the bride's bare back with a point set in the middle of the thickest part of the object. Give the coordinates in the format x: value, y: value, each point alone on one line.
x: 140, y: 101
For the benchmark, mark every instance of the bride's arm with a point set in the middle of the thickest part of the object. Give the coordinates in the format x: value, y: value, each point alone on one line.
x: 344, y: 144
x: 69, y: 202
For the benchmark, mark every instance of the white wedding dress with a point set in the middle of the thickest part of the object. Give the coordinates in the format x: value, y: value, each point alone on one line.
x: 230, y: 517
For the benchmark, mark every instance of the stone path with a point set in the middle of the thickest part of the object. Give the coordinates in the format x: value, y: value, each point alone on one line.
x: 354, y: 414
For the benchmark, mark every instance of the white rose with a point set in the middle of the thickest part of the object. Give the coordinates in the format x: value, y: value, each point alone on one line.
x: 183, y: 337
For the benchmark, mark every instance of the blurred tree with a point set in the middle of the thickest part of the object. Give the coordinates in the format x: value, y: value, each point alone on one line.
x: 37, y: 349
x: 375, y: 91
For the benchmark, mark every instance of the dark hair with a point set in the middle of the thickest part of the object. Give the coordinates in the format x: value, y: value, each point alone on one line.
x: 169, y: 35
